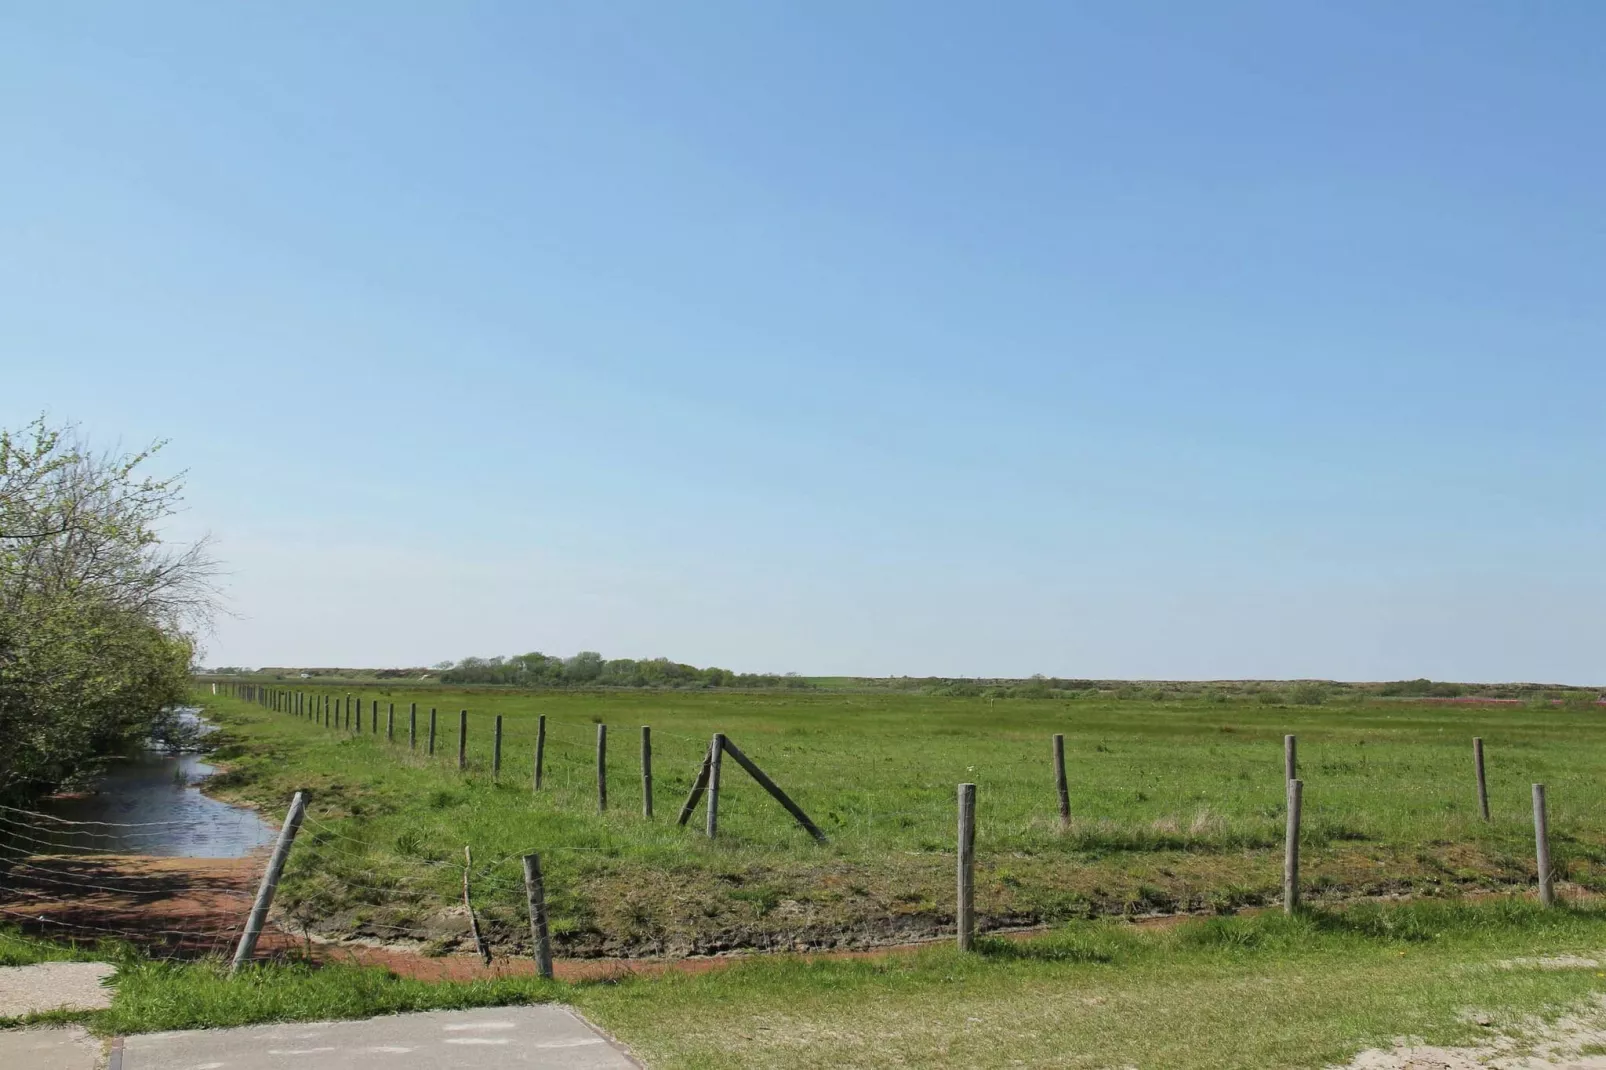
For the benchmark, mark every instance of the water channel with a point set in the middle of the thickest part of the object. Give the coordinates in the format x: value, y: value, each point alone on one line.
x: 152, y: 804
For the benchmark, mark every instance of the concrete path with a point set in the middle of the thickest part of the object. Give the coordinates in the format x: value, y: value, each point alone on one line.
x: 71, y: 1048
x: 543, y: 1037
x: 50, y: 986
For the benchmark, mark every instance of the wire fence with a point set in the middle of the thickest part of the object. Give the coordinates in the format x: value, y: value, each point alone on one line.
x: 350, y: 882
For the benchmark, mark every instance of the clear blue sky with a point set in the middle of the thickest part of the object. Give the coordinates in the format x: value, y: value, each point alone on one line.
x: 1152, y: 340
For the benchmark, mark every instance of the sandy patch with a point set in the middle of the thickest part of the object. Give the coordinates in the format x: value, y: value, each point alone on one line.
x: 1573, y: 1042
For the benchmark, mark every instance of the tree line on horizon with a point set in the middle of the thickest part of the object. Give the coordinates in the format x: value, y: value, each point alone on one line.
x: 590, y: 669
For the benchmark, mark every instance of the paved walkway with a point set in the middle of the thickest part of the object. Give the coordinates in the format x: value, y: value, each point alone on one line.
x: 542, y: 1037
x: 70, y: 1048
x: 49, y: 986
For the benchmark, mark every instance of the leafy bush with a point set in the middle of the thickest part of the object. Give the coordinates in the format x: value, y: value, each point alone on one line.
x: 96, y: 613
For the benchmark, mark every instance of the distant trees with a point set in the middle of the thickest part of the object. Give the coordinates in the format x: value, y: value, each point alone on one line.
x: 97, y: 613
x: 589, y: 669
x: 1422, y: 688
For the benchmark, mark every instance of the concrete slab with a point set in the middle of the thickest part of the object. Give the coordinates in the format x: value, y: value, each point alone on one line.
x: 542, y: 1037
x: 49, y: 986
x: 69, y: 1048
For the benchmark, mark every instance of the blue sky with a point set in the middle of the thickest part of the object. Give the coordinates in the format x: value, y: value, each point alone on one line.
x: 1148, y: 340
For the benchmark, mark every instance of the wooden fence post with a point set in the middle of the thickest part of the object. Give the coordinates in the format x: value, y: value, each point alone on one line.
x: 1547, y: 890
x: 462, y: 740
x: 359, y: 717
x: 698, y: 785
x: 1483, y: 784
x: 646, y: 771
x: 1290, y: 766
x: 373, y: 722
x: 540, y: 748
x: 1291, y: 847
x: 270, y: 883
x: 431, y: 731
x: 468, y: 905
x: 602, y: 768
x: 390, y: 724
x: 535, y: 892
x: 496, y: 750
x: 711, y: 826
x: 412, y: 726
x: 1059, y: 781
x: 774, y: 789
x: 965, y: 915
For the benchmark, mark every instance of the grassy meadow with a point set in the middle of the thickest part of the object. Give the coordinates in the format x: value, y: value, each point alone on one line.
x: 1177, y: 805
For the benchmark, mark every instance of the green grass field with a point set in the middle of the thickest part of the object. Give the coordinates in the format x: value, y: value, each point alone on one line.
x: 1177, y: 805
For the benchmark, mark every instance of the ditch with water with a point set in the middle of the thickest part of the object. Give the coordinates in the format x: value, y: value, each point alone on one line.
x: 151, y: 803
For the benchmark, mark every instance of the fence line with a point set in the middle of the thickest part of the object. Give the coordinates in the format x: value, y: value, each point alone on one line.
x: 569, y: 762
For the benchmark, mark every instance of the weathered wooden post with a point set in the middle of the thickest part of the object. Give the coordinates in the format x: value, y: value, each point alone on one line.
x: 412, y: 726
x: 646, y: 771
x: 602, y: 768
x: 373, y: 722
x: 468, y: 905
x: 965, y: 915
x: 1059, y: 781
x: 462, y: 740
x: 359, y: 716
x: 270, y: 883
x: 540, y: 748
x: 348, y: 712
x: 1291, y: 847
x: 1483, y: 783
x: 774, y: 789
x: 496, y: 750
x: 431, y: 731
x: 711, y: 825
x: 699, y: 784
x: 1547, y: 890
x: 535, y: 892
x: 1290, y: 766
x: 390, y: 724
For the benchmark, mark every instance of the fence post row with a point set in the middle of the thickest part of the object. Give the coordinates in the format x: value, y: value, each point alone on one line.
x: 270, y: 882
x: 965, y: 912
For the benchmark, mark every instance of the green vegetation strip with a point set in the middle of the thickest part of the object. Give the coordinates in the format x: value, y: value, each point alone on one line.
x: 1247, y: 992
